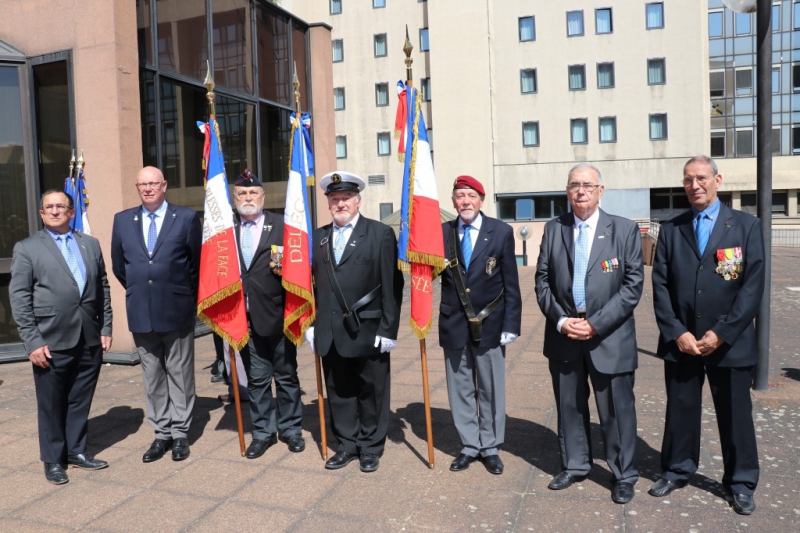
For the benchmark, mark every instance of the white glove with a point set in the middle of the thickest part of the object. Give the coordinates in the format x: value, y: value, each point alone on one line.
x: 310, y: 338
x: 387, y: 345
x: 507, y: 338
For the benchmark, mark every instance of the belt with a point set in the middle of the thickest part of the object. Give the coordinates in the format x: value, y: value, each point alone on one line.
x: 582, y: 315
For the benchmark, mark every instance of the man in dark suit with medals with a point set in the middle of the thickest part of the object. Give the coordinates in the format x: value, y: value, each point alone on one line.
x: 708, y: 281
x: 589, y: 279
x: 269, y: 355
x: 358, y: 290
x: 480, y: 313
x: 62, y: 306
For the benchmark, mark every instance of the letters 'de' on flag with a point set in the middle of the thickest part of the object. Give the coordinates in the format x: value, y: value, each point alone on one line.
x: 421, y: 245
x: 220, y: 298
x: 298, y: 312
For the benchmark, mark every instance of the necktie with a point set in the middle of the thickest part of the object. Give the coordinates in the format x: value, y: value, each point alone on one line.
x: 701, y: 230
x: 466, y: 246
x: 152, y: 236
x: 338, y: 243
x: 581, y: 264
x: 72, y: 263
x: 247, y: 243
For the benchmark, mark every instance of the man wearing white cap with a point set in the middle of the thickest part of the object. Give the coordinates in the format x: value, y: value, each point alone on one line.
x: 358, y: 294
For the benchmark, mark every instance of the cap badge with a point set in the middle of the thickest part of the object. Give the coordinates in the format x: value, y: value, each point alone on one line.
x: 336, y: 178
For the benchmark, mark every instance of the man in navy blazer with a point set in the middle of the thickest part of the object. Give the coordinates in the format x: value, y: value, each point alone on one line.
x: 475, y: 365
x: 708, y: 280
x: 155, y: 255
x: 589, y: 279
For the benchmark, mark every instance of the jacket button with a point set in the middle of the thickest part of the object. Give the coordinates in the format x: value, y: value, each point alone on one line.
x: 150, y: 281
x: 701, y: 267
x: 700, y: 291
x: 150, y: 262
x: 467, y: 290
x: 699, y: 315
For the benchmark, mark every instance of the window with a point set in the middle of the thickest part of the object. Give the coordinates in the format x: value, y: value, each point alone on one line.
x: 578, y: 131
x: 336, y: 7
x: 535, y: 207
x: 796, y: 77
x: 716, y: 82
x: 577, y: 77
x: 743, y: 23
x: 528, y: 80
x: 605, y: 75
x: 341, y: 146
x: 718, y: 143
x: 387, y: 208
x: 574, y: 23
x: 608, y: 129
x: 716, y: 26
x: 749, y: 203
x: 656, y: 74
x: 378, y: 3
x: 338, y: 50
x: 776, y: 141
x: 425, y: 85
x: 780, y: 203
x: 744, y: 82
x: 796, y: 22
x: 530, y: 134
x: 384, y: 143
x: 338, y: 98
x: 602, y: 20
x: 658, y: 127
x: 380, y: 45
x: 424, y: 45
x: 655, y: 15
x: 381, y: 94
x: 796, y: 138
x: 377, y: 179
x: 776, y: 79
x: 776, y: 17
x: 744, y: 143
x: 527, y: 29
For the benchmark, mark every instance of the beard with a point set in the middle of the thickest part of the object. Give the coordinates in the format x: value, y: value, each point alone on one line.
x: 250, y: 210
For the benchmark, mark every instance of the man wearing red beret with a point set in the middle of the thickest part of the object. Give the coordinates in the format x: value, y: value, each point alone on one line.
x: 480, y: 314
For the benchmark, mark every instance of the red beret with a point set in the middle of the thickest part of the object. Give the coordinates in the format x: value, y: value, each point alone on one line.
x: 468, y: 182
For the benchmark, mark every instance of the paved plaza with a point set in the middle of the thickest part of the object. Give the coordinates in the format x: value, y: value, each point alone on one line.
x: 217, y: 490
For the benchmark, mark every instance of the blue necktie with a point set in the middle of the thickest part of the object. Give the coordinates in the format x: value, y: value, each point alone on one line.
x: 581, y: 264
x: 702, y: 231
x: 72, y: 263
x: 466, y: 246
x: 152, y: 236
x: 338, y: 243
x: 247, y: 243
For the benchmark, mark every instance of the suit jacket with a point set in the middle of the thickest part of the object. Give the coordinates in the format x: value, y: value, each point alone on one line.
x: 368, y: 260
x: 160, y: 291
x: 689, y: 295
x: 611, y: 293
x: 266, y: 295
x: 495, y: 241
x: 44, y: 296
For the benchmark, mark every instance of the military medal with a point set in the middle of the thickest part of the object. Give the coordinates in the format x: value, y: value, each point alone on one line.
x: 276, y: 258
x: 490, y: 264
x: 730, y: 263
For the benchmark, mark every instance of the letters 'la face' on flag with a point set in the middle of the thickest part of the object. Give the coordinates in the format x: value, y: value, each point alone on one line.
x: 76, y: 188
x: 220, y: 298
x: 420, y: 247
x: 298, y: 312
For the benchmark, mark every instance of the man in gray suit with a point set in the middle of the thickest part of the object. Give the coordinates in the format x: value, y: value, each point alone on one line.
x: 62, y: 305
x: 588, y: 281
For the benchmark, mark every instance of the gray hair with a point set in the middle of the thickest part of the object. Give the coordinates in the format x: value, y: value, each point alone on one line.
x: 704, y: 159
x: 585, y: 166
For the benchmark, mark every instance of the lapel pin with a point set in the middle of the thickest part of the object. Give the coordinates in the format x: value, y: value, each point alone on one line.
x: 174, y: 215
x: 135, y: 218
x: 268, y: 227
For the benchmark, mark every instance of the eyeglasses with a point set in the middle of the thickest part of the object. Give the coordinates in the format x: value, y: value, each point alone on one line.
x: 149, y: 185
x: 55, y: 207
x: 254, y: 193
x: 701, y: 180
x: 588, y: 187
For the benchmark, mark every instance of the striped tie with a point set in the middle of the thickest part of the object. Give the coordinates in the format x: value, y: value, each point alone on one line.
x: 581, y: 265
x: 152, y: 236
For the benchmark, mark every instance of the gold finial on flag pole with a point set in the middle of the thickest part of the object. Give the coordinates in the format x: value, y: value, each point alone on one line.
x: 80, y: 164
x: 209, y: 83
x: 72, y: 163
x: 296, y: 85
x: 407, y: 48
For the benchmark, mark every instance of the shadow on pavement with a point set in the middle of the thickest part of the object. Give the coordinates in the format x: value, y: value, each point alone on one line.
x: 114, y: 426
x: 791, y: 373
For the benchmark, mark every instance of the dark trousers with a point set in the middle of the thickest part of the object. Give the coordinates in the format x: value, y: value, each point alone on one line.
x: 358, y: 393
x: 64, y: 394
x: 266, y: 359
x: 616, y: 407
x: 730, y: 390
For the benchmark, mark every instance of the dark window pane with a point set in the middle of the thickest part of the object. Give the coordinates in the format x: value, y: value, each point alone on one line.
x: 274, y: 79
x: 232, y: 38
x: 237, y: 128
x: 779, y: 203
x: 679, y: 202
x: 659, y: 201
x: 144, y: 32
x: 560, y: 205
x: 182, y: 143
x: 8, y: 328
x: 148, y: 107
x: 506, y: 208
x: 299, y: 57
x: 744, y: 143
x: 54, y: 137
x: 182, y: 37
x: 717, y: 84
x: 13, y: 208
x: 749, y: 203
x: 275, y: 136
x: 717, y: 144
x: 386, y: 210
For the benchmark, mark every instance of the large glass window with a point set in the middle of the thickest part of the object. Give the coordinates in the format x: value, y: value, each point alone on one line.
x: 602, y: 20
x: 577, y: 77
x: 274, y: 69
x: 300, y: 63
x: 530, y: 134
x: 527, y: 29
x: 658, y: 126
x: 605, y: 75
x: 528, y: 80
x: 578, y: 131
x: 276, y: 133
x: 232, y: 39
x: 655, y: 15
x: 656, y: 74
x: 381, y: 94
x: 147, y: 91
x: 574, y: 23
x: 182, y: 38
x: 143, y: 34
x: 608, y: 129
x: 182, y: 106
x: 53, y: 125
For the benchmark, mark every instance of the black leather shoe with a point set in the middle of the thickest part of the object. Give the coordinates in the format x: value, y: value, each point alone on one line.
x: 461, y: 462
x: 258, y: 447
x: 622, y: 492
x: 743, y: 503
x: 295, y: 443
x: 55, y: 474
x: 340, y: 460
x: 665, y: 486
x: 157, y: 450
x: 493, y: 464
x: 180, y: 449
x: 564, y: 480
x: 84, y: 461
x: 369, y: 462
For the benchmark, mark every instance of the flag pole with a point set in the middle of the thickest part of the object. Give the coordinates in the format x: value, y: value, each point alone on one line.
x: 212, y: 115
x: 323, y: 433
x: 423, y: 352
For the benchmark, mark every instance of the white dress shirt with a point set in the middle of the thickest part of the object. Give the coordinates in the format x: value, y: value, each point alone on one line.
x: 161, y: 212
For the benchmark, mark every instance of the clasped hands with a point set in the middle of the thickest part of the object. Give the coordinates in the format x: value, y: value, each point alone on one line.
x: 703, y: 347
x: 578, y: 329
